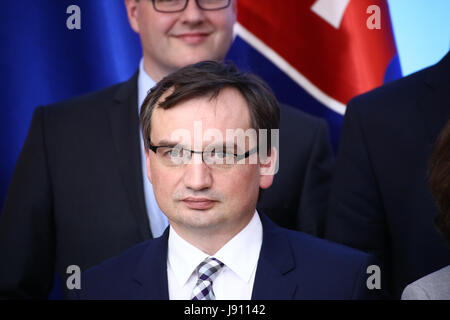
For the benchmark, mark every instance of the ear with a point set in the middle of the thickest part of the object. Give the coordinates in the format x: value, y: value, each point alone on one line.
x: 132, y: 7
x: 268, y: 167
x: 147, y: 165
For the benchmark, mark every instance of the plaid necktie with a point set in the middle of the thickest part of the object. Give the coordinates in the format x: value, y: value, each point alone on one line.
x: 207, y: 271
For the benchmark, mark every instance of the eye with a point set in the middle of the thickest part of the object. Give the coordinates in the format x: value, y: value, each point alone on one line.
x: 219, y: 155
x: 224, y: 157
x: 172, y: 152
x: 168, y: 153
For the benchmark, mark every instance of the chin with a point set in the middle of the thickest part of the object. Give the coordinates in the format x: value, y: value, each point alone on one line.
x: 201, y: 219
x: 202, y: 55
x: 189, y: 61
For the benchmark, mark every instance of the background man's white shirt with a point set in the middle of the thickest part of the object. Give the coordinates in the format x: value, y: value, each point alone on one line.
x: 158, y: 221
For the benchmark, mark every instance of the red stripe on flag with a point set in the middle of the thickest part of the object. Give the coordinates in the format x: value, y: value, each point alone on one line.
x: 341, y: 62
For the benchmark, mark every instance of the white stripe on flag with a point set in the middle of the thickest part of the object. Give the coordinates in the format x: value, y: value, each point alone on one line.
x: 288, y: 69
x: 332, y: 11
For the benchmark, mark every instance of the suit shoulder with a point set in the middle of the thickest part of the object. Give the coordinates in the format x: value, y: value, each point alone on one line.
x: 397, y: 93
x: 87, y: 98
x: 294, y: 116
x: 88, y: 109
x: 433, y: 286
x: 315, y: 249
x: 329, y: 270
x: 123, y: 264
x: 302, y: 129
x: 308, y: 245
x: 90, y: 102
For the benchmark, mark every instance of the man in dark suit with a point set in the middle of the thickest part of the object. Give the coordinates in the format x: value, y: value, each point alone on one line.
x: 292, y: 265
x: 78, y: 197
x: 380, y: 201
x: 218, y: 246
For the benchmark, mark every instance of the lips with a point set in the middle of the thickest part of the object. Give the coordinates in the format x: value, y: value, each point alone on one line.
x: 192, y: 37
x: 199, y: 203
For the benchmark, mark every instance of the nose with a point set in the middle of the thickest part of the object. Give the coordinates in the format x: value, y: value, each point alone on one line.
x: 192, y: 14
x: 197, y: 175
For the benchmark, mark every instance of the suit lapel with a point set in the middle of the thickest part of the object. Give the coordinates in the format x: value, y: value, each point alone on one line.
x: 124, y: 121
x: 435, y: 104
x: 151, y: 270
x: 273, y: 280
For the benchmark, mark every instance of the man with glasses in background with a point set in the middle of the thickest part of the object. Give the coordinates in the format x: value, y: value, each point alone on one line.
x: 79, y: 194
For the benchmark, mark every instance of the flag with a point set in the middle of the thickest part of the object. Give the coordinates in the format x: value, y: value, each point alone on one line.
x: 317, y: 54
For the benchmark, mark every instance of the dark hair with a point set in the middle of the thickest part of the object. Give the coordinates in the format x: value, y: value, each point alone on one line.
x: 439, y: 178
x: 208, y: 78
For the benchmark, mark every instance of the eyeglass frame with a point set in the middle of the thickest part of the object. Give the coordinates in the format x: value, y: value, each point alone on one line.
x: 239, y: 157
x: 185, y: 6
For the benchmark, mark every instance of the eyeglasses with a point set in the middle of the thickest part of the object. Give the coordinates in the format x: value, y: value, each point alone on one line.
x: 169, y: 6
x: 174, y: 156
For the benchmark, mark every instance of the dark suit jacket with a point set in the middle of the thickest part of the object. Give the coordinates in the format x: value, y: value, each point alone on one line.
x: 76, y: 196
x: 292, y: 265
x: 381, y: 202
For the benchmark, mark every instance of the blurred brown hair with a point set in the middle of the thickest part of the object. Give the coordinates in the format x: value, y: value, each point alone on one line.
x: 439, y: 179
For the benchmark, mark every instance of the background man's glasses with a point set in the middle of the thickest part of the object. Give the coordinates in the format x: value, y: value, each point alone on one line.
x: 169, y: 6
x: 173, y: 156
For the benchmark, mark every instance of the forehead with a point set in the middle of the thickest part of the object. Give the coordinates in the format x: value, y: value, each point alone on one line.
x: 229, y: 110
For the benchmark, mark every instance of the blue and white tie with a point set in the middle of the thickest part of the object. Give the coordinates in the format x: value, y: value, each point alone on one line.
x: 207, y: 271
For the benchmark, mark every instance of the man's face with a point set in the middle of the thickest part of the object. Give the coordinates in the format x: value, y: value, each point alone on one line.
x: 173, y: 40
x: 194, y: 196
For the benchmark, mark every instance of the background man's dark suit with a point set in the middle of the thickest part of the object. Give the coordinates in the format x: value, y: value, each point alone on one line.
x: 380, y: 200
x: 76, y: 196
x: 291, y: 265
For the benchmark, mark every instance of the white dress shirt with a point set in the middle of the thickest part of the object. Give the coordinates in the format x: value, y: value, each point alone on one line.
x: 234, y: 281
x: 158, y: 221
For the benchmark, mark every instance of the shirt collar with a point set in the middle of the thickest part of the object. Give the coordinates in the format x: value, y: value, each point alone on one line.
x: 145, y: 83
x: 183, y: 257
x: 240, y: 254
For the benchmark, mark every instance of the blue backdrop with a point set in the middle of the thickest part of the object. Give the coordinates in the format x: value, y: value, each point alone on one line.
x: 42, y: 61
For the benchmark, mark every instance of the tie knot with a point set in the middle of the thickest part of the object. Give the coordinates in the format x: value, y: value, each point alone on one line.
x: 208, y: 269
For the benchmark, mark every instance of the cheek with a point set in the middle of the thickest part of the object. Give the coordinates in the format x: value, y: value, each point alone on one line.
x: 241, y: 185
x: 164, y: 183
x: 224, y: 24
x: 167, y: 23
x: 156, y: 27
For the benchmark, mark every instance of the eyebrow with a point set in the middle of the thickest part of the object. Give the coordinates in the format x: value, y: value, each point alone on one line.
x: 224, y: 146
x: 167, y: 143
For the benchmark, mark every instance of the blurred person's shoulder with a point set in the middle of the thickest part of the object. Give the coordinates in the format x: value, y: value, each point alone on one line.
x: 293, y: 115
x: 400, y: 95
x: 123, y: 276
x: 434, y: 286
x: 313, y: 250
x: 96, y: 101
